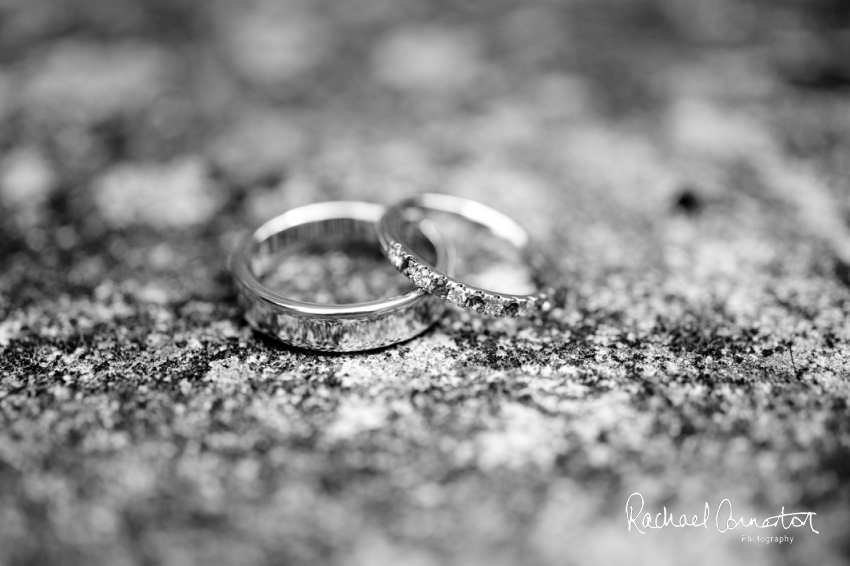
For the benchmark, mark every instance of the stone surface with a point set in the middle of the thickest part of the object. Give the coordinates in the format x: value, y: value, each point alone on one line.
x: 685, y: 164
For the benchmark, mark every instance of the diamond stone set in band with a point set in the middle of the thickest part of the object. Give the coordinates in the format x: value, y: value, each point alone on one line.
x: 415, y: 249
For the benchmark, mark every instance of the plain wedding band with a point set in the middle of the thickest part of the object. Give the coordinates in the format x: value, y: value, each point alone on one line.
x: 332, y: 327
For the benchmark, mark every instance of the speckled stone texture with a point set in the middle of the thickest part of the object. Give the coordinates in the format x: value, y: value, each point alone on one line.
x: 686, y: 162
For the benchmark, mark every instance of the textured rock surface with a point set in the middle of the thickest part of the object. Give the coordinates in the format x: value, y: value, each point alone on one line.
x: 686, y: 162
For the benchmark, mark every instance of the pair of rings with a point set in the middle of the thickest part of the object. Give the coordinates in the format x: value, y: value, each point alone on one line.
x: 412, y: 245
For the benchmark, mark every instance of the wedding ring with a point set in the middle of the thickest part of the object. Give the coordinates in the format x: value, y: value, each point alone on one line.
x: 393, y: 232
x: 332, y: 327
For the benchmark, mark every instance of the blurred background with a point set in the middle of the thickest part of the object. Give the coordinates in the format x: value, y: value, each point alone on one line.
x: 687, y: 162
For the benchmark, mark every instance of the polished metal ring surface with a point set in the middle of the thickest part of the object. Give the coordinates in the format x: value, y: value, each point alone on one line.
x: 331, y: 327
x: 394, y: 230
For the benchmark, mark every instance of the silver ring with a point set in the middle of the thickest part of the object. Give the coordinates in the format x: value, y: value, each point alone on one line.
x: 326, y: 327
x: 393, y: 231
